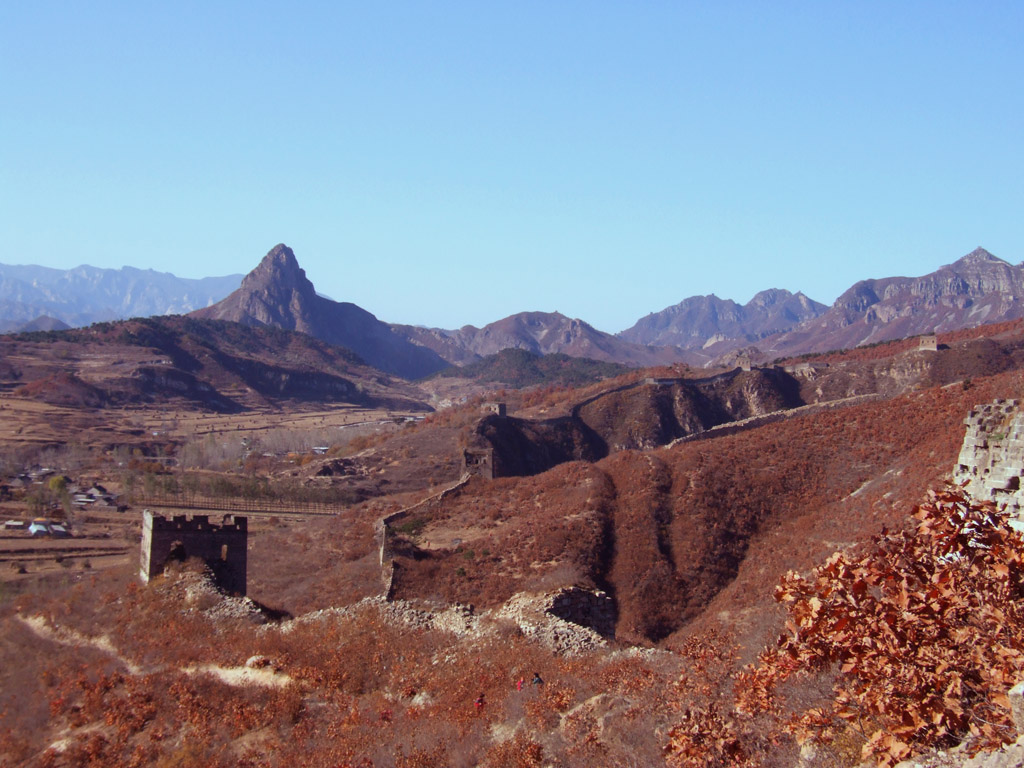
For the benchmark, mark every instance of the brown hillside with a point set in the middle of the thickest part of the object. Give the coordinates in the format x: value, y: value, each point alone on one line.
x: 688, y: 540
x: 203, y: 364
x: 666, y: 532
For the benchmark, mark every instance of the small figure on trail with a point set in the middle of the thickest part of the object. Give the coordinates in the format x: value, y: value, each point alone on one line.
x: 519, y: 683
x: 479, y: 703
x: 537, y: 680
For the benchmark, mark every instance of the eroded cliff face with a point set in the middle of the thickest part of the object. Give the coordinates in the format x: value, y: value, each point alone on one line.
x: 821, y: 382
x: 657, y: 413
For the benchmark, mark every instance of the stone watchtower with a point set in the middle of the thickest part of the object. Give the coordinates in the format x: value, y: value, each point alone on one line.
x: 221, y: 547
x: 478, y: 461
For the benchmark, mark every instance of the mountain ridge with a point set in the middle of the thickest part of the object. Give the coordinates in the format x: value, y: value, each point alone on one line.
x: 977, y: 289
x: 694, y: 321
x: 278, y: 293
x: 86, y: 294
x: 203, y: 364
x: 542, y: 333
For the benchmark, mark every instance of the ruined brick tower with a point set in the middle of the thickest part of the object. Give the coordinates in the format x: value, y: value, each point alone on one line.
x: 221, y: 547
x: 478, y: 461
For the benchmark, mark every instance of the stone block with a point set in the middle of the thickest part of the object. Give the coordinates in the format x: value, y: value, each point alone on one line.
x: 1016, y: 695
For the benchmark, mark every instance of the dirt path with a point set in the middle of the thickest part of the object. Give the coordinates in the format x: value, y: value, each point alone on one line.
x: 234, y: 676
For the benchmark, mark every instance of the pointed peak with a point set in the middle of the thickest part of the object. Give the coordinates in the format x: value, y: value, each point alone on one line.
x: 978, y: 255
x: 281, y: 254
x: 279, y: 268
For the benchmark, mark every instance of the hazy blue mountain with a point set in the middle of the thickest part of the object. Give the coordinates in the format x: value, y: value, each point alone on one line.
x: 43, y: 323
x: 85, y: 294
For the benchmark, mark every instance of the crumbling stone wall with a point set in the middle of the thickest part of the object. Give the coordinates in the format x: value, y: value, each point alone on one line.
x: 222, y: 547
x: 991, y: 461
x: 568, y: 620
x: 384, y: 525
x: 588, y: 608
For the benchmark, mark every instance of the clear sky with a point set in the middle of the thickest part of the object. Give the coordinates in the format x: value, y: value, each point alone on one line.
x: 446, y: 163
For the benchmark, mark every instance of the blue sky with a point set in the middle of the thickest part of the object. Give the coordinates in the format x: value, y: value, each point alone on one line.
x: 451, y: 163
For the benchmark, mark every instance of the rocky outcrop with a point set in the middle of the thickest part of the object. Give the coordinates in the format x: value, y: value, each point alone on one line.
x: 278, y: 293
x: 569, y: 620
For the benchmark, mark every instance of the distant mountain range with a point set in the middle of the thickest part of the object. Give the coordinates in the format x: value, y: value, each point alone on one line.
x: 542, y: 333
x: 32, y: 298
x: 699, y: 321
x: 702, y: 330
x: 976, y: 290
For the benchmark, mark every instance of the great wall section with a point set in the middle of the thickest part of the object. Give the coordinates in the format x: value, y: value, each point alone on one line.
x: 991, y: 462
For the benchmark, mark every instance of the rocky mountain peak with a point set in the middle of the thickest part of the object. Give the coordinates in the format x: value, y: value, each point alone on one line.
x: 278, y: 293
x: 769, y: 298
x: 979, y: 255
x: 279, y: 269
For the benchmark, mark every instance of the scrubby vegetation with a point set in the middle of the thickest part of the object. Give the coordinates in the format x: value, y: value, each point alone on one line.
x: 922, y: 634
x: 906, y: 639
x: 370, y: 686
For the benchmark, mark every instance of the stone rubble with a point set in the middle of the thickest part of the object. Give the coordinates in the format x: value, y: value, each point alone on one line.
x: 529, y: 612
x: 535, y: 615
x: 1010, y: 756
x: 198, y: 592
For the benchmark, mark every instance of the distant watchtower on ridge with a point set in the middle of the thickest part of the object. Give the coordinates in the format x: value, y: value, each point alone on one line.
x: 221, y: 547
